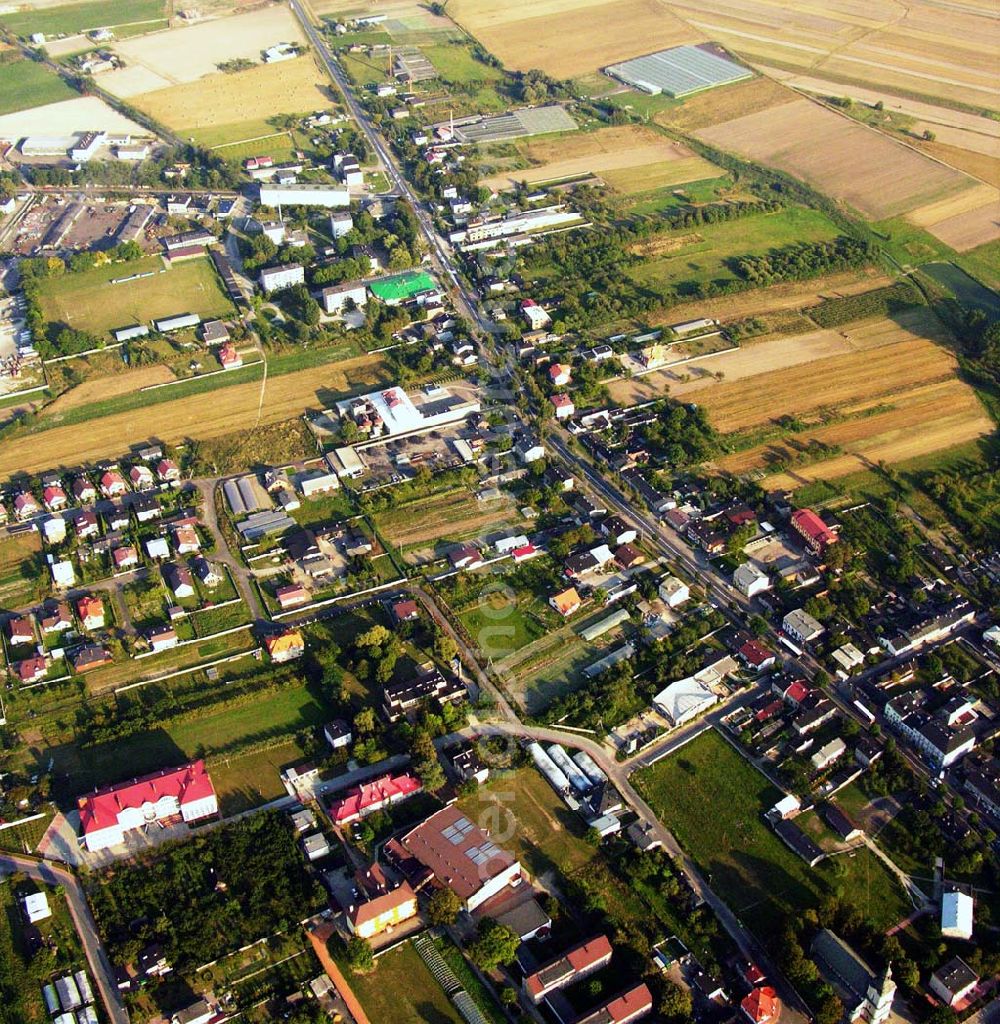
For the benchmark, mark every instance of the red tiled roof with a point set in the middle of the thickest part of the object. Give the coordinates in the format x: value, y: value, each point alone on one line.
x: 760, y: 1005
x: 798, y: 691
x: 625, y: 1006
x: 561, y: 401
x: 524, y: 552
x: 28, y: 669
x: 372, y: 909
x: 369, y: 796
x: 578, y: 959
x: 755, y: 653
x: 807, y: 522
x: 188, y: 784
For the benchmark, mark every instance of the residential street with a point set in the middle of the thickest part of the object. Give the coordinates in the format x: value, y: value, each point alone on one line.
x: 97, y: 958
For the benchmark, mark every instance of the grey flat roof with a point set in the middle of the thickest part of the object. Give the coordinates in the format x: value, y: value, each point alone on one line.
x: 679, y: 71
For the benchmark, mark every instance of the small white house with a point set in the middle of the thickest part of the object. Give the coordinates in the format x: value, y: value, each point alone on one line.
x: 62, y: 574
x: 674, y: 592
x: 749, y: 580
x: 157, y: 548
x: 36, y: 907
x: 54, y: 529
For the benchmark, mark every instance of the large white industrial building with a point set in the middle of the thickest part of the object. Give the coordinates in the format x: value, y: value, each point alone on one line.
x: 400, y: 413
x: 304, y: 194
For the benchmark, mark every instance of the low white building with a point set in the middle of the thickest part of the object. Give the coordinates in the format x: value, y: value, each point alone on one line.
x: 36, y: 907
x: 685, y: 699
x: 749, y: 580
x: 829, y: 753
x: 274, y: 279
x: 674, y: 592
x: 335, y: 299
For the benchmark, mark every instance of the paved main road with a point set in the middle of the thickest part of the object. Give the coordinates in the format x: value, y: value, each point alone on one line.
x: 97, y: 958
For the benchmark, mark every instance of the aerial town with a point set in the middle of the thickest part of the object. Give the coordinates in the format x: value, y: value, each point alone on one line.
x: 499, y: 512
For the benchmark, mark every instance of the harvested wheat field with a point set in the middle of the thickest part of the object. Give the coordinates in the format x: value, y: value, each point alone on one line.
x: 289, y: 87
x: 218, y: 412
x: 631, y: 158
x: 109, y: 386
x: 719, y: 105
x: 838, y: 156
x: 763, y: 356
x: 454, y: 514
x: 568, y: 38
x: 969, y: 219
x: 827, y: 382
x: 923, y: 48
x: 924, y: 419
x: 189, y: 53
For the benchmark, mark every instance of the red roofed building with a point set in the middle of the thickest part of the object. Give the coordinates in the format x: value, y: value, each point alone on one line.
x: 816, y: 534
x: 372, y: 796
x: 627, y: 1006
x: 405, y: 611
x: 54, y: 497
x: 756, y: 656
x: 184, y: 793
x: 91, y: 612
x: 522, y: 554
x: 563, y: 406
x: 761, y: 1006
x: 291, y: 595
x: 463, y: 857
x: 797, y: 693
x: 569, y: 968
x: 167, y: 470
x: 112, y: 484
x: 560, y: 374
x: 768, y: 711
x: 31, y: 670
x: 229, y: 357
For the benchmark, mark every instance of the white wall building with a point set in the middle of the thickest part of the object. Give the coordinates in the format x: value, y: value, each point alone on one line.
x: 276, y: 278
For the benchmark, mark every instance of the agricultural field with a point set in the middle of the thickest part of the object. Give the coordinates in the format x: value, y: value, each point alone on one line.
x: 441, y: 519
x: 876, y: 175
x: 700, y: 256
x: 716, y: 106
x: 211, y: 104
x: 630, y: 158
x: 192, y: 52
x: 927, y: 51
x: 65, y: 116
x: 71, y: 18
x: 569, y: 38
x: 231, y: 408
x: 747, y: 865
x: 25, y: 84
x: 23, y: 576
x: 968, y: 220
x: 88, y: 301
x: 525, y: 816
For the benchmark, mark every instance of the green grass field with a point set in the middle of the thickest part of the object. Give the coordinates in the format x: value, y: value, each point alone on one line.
x: 713, y: 801
x: 88, y: 301
x: 455, y: 63
x: 403, y: 990
x: 77, y: 17
x: 25, y: 84
x: 524, y: 815
x: 702, y: 260
x: 501, y: 624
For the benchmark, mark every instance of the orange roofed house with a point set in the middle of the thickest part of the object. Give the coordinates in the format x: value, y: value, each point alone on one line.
x: 569, y: 968
x: 374, y: 916
x: 286, y: 646
x: 372, y: 796
x: 184, y: 794
x: 566, y: 602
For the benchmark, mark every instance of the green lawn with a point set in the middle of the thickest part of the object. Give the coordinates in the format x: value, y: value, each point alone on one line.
x: 276, y: 716
x: 235, y: 131
x: 713, y: 800
x: 81, y: 17
x: 250, y: 780
x: 703, y: 260
x: 401, y: 989
x: 455, y: 63
x: 660, y: 200
x: 25, y: 84
x: 524, y: 815
x: 88, y: 301
x: 501, y: 622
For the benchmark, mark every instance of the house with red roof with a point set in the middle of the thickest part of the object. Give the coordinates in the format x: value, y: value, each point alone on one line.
x: 372, y: 796
x: 523, y: 553
x: 112, y: 484
x: 167, y: 471
x: 756, y: 656
x: 31, y: 670
x: 25, y: 505
x: 563, y: 406
x: 560, y: 374
x: 141, y: 477
x: 816, y: 534
x: 229, y: 357
x: 125, y: 557
x: 405, y: 611
x: 174, y: 794
x: 292, y: 595
x: 90, y: 611
x: 623, y: 1008
x: 21, y: 630
x: 761, y: 1006
x: 568, y: 968
x: 54, y: 498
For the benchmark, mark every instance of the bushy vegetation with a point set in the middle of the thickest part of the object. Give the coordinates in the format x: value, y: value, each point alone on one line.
x: 208, y: 896
x: 880, y: 302
x: 804, y: 260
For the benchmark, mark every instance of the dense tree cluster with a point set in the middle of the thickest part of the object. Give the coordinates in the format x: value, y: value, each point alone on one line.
x: 208, y: 896
x: 803, y: 260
